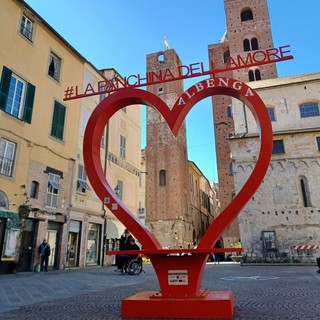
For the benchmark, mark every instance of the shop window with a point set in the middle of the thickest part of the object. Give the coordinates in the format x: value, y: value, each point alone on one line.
x: 7, y: 156
x: 278, y: 147
x: 26, y: 27
x: 93, y: 247
x: 53, y: 190
x: 54, y: 66
x: 58, y: 120
x: 11, y: 238
x: 82, y: 185
x: 162, y: 178
x: 309, y: 109
x: 246, y: 15
x: 16, y: 95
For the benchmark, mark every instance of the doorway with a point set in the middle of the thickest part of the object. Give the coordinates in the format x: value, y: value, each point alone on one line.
x: 73, y: 244
x: 27, y: 245
x: 52, y: 238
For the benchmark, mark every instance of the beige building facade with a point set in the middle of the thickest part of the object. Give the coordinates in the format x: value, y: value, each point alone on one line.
x: 203, y: 200
x: 44, y: 190
x: 285, y: 211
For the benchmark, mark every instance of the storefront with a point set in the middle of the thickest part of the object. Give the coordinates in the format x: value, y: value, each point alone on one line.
x: 9, y: 237
x: 51, y: 227
x: 93, y: 244
x: 74, y: 237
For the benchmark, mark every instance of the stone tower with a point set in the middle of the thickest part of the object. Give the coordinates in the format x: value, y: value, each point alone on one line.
x: 248, y: 29
x: 167, y: 209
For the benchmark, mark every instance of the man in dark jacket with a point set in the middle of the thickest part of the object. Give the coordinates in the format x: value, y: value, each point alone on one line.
x: 318, y: 263
x: 125, y: 240
x: 123, y: 258
x: 44, y: 251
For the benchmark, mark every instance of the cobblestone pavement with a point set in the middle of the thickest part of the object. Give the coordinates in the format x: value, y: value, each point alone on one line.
x: 261, y: 292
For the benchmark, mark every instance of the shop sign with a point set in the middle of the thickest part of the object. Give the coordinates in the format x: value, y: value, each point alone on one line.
x: 47, y: 216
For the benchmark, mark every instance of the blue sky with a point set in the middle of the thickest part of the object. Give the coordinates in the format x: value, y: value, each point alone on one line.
x: 119, y: 34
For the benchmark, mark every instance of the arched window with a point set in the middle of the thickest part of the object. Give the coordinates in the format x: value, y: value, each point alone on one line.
x: 250, y: 45
x: 4, y: 202
x: 226, y: 56
x: 162, y: 178
x: 246, y: 15
x: 254, y: 44
x: 305, y: 192
x: 254, y: 75
x: 257, y: 74
x: 251, y: 75
x: 246, y: 45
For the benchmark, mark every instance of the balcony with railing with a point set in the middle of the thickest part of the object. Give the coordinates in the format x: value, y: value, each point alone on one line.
x: 6, y: 166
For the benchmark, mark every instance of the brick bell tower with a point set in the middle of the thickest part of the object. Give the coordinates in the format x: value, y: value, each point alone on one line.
x: 167, y: 210
x: 248, y: 29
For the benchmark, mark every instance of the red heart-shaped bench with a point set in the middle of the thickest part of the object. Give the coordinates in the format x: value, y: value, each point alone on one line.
x: 191, y: 266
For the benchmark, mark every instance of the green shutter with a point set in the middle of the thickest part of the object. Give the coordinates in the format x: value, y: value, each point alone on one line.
x: 4, y: 86
x: 58, y: 120
x: 28, y: 107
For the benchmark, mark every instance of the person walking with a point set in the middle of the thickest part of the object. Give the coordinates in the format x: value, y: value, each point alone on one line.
x: 44, y: 251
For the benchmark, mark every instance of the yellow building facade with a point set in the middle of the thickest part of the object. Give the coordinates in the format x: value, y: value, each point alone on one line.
x: 44, y: 191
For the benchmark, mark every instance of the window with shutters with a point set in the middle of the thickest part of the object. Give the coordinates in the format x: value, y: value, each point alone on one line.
x: 53, y: 190
x: 82, y: 185
x: 58, y: 120
x: 16, y: 95
x: 122, y: 146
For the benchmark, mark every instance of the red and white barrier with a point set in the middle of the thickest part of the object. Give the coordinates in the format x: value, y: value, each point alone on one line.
x: 306, y: 247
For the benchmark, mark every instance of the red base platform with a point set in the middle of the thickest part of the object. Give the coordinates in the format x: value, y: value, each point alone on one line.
x: 149, y: 304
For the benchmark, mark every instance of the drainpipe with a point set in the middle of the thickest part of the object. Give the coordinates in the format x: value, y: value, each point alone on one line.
x: 245, y: 120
